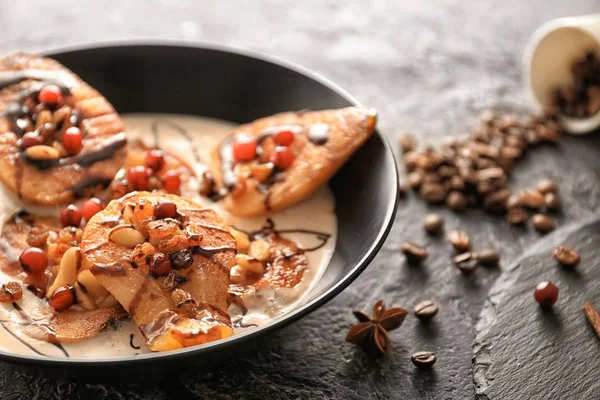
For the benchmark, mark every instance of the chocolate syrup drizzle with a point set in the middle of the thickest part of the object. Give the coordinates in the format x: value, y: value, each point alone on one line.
x: 270, y: 228
x: 182, y: 131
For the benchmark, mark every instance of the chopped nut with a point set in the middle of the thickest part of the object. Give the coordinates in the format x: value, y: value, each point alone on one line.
x: 242, y: 240
x: 126, y: 235
x: 67, y: 271
x: 259, y: 249
x: 42, y: 153
x: 250, y: 264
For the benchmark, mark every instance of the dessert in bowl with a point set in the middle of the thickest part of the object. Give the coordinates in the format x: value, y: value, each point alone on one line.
x: 191, y: 236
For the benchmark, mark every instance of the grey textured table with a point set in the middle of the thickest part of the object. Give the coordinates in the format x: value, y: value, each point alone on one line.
x: 428, y: 66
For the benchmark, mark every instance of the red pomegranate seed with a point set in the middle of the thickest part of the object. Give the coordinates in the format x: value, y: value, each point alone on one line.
x: 171, y: 181
x: 546, y: 293
x: 30, y: 139
x: 34, y: 260
x: 70, y: 215
x: 165, y: 209
x: 139, y: 177
x: 284, y: 138
x: 50, y: 94
x: 72, y: 140
x: 161, y: 264
x: 244, y: 149
x: 282, y: 157
x: 155, y: 160
x: 62, y: 298
x: 91, y: 207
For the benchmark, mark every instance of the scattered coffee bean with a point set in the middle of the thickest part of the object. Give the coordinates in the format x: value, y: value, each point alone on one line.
x: 495, y: 203
x: 463, y: 257
x: 426, y: 309
x: 547, y: 186
x: 415, y: 179
x: 542, y: 223
x: 433, y: 223
x: 532, y: 199
x: 433, y: 192
x: 414, y: 253
x: 546, y: 294
x: 407, y: 142
x: 592, y: 317
x: 567, y: 256
x: 514, y: 200
x: 423, y: 359
x: 460, y: 241
x: 410, y: 160
x: 552, y: 201
x: 456, y: 201
x: 516, y: 216
x: 488, y: 257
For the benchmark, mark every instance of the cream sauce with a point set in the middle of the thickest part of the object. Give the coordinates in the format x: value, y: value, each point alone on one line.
x: 316, y: 213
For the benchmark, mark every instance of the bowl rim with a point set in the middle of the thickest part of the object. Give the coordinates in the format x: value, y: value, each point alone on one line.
x: 279, y: 322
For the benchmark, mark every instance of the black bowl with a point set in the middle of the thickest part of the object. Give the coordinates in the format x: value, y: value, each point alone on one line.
x: 236, y: 86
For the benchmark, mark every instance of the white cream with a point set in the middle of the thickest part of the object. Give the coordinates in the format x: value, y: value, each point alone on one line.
x: 317, y: 213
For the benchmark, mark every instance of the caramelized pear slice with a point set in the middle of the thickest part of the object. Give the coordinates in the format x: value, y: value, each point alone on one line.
x: 184, y: 307
x: 323, y: 141
x: 55, y: 176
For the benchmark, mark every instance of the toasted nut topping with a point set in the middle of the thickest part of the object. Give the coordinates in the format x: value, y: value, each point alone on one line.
x: 250, y: 264
x: 91, y: 284
x: 262, y: 171
x: 42, y: 152
x: 67, y: 271
x: 126, y: 235
x: 108, y: 302
x: 259, y: 249
x: 128, y: 212
x: 42, y: 118
x: 242, y: 240
x: 83, y: 298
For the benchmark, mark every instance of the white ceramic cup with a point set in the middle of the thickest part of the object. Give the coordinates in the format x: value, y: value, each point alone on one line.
x: 550, y: 53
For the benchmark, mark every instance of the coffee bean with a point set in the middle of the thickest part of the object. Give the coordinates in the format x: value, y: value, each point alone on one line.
x: 423, y: 359
x: 466, y: 262
x: 415, y: 179
x: 414, y: 253
x: 460, y: 241
x: 457, y: 183
x: 484, y: 188
x: 431, y: 177
x: 495, y: 203
x: 516, y: 216
x: 547, y: 134
x: 514, y: 200
x: 410, y: 160
x: 567, y: 256
x: 490, y: 173
x: 426, y: 309
x: 488, y: 257
x: 546, y: 186
x: 433, y: 192
x: 407, y: 142
x: 542, y: 223
x: 487, y: 116
x: 433, y: 223
x: 552, y: 201
x: 532, y: 199
x: 456, y: 201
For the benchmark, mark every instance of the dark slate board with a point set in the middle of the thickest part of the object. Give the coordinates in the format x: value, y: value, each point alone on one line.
x: 523, y: 351
x: 428, y: 66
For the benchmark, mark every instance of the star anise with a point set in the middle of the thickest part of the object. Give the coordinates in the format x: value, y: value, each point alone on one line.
x: 373, y: 331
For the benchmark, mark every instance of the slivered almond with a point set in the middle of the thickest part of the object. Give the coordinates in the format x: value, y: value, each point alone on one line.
x: 91, y: 284
x: 108, y: 302
x: 128, y: 212
x: 84, y: 299
x: 42, y: 152
x: 42, y: 118
x: 67, y: 271
x: 250, y: 264
x: 126, y: 235
x: 242, y: 240
x: 259, y: 249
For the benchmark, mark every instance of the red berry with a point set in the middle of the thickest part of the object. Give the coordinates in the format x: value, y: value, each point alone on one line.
x: 165, y: 209
x: 70, y: 215
x: 546, y: 293
x: 244, y: 149
x: 155, y: 160
x: 161, y: 264
x: 282, y: 157
x: 284, y: 138
x: 33, y: 260
x: 62, y: 298
x: 30, y: 139
x: 50, y: 94
x: 71, y: 140
x: 171, y: 181
x: 91, y: 207
x: 139, y: 177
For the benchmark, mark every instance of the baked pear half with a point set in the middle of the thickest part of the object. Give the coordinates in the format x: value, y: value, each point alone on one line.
x: 278, y: 161
x: 166, y: 260
x: 59, y: 138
